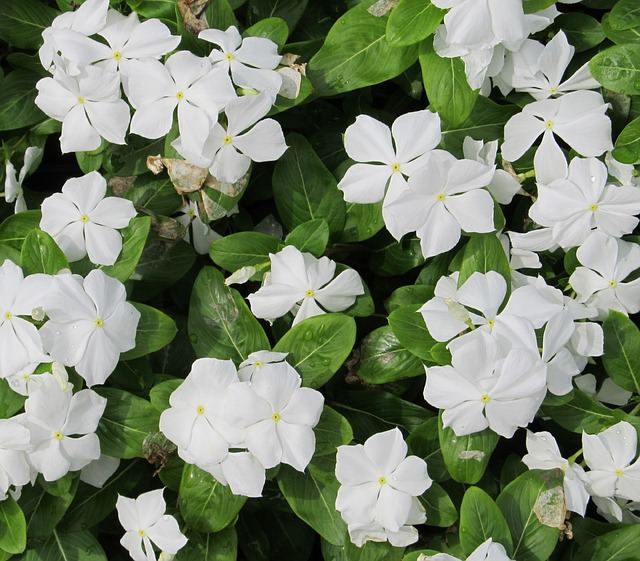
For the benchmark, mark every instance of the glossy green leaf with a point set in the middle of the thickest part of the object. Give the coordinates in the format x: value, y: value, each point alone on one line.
x: 13, y: 527
x: 134, y: 239
x: 22, y: 23
x: 439, y: 508
x: 411, y: 21
x: 17, y: 96
x: 481, y: 519
x: 618, y: 68
x: 483, y: 253
x: 332, y: 430
x: 622, y: 351
x: 627, y: 147
x: 155, y: 330
x: 41, y: 254
x: 408, y: 326
x: 243, y: 249
x: 311, y: 237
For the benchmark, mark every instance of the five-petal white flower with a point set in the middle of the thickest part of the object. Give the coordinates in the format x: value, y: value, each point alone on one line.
x: 15, y: 440
x: 13, y: 182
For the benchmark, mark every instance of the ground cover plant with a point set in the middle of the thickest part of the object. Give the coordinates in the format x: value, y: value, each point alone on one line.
x: 303, y: 279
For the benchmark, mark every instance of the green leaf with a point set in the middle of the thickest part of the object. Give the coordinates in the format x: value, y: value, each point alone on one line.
x: 423, y: 442
x: 206, y: 504
x: 411, y: 21
x: 627, y: 147
x: 156, y: 194
x: 160, y: 393
x: 618, y: 68
x: 583, y: 31
x: 483, y: 253
x: 15, y: 228
x: 370, y: 551
x: 22, y: 23
x: 274, y: 29
x: 395, y: 258
x: 622, y: 351
x: 126, y: 422
x: 71, y: 546
x: 43, y: 511
x: 362, y: 222
x: 219, y: 14
x: 318, y: 346
x: 356, y: 54
x: 41, y: 254
x: 10, y: 401
x: 620, y: 37
x: 134, y: 239
x: 289, y: 10
x: 466, y: 457
x: 439, y: 508
x: 221, y: 546
x: 17, y: 98
x: 13, y: 527
x: 533, y: 6
x: 481, y: 519
x: 383, y: 359
x: 164, y: 262
x: 304, y: 189
x: 220, y: 323
x: 243, y: 249
x: 532, y: 495
x: 446, y: 85
x: 312, y: 236
x: 155, y: 331
x: 332, y: 431
x: 409, y: 295
x: 412, y: 333
x: 580, y: 413
x: 312, y: 496
x: 625, y: 15
x: 619, y: 545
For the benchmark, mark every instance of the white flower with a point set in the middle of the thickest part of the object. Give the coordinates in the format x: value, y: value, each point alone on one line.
x: 618, y: 510
x: 440, y: 200
x: 228, y: 152
x: 146, y: 524
x: 88, y: 105
x: 20, y: 342
x: 260, y: 361
x: 486, y: 551
x: 379, y: 486
x: 14, y: 467
x: 251, y: 61
x: 625, y: 174
x: 90, y: 324
x: 578, y: 118
x: 242, y: 472
x: 185, y: 81
x: 599, y: 283
x: 300, y: 277
x: 386, y: 156
x: 543, y: 453
x: 13, y: 183
x: 203, y: 234
x: 195, y: 421
x: 83, y: 222
x: 538, y: 69
x: 277, y: 416
x: 609, y: 456
x: 609, y: 392
x: 584, y: 201
x: 484, y: 389
x: 62, y: 426
x: 503, y: 186
x: 97, y: 472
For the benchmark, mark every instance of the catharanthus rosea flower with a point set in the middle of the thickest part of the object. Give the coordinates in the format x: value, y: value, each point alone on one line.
x: 386, y: 156
x: 440, y: 200
x: 277, y: 416
x: 486, y: 551
x: 62, y: 426
x: 13, y: 182
x: 610, y: 456
x: 301, y: 283
x: 260, y: 361
x: 251, y: 61
x: 379, y: 486
x: 195, y: 421
x: 14, y: 467
x: 543, y: 453
x: 601, y: 281
x: 146, y: 525
x: 88, y: 105
x: 90, y: 324
x: 583, y: 201
x: 85, y: 222
x: 485, y: 388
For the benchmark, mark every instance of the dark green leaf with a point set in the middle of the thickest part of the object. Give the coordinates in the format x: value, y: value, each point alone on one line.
x: 17, y: 98
x: 41, y: 254
x: 272, y: 28
x: 439, y: 507
x: 622, y: 351
x: 411, y: 21
x: 243, y: 249
x: 483, y: 253
x: 134, y: 239
x: 13, y: 527
x: 155, y: 330
x: 618, y: 68
x: 22, y: 23
x: 619, y: 545
x: 625, y: 15
x: 362, y: 222
x: 332, y: 431
x: 221, y: 546
x: 423, y: 442
x: 289, y: 10
x: 627, y: 148
x: 583, y: 31
x: 409, y: 327
x: 312, y: 236
x: 481, y: 519
x: 15, y: 228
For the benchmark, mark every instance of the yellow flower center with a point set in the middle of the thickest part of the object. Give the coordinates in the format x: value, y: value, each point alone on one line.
x: 84, y: 218
x: 593, y: 207
x: 229, y: 57
x: 180, y: 95
x: 99, y: 322
x: 8, y: 316
x: 227, y: 139
x: 441, y: 197
x: 491, y: 323
x: 395, y: 168
x: 117, y: 55
x: 309, y: 293
x: 613, y: 283
x: 142, y: 533
x: 80, y: 100
x: 549, y: 124
x: 619, y: 472
x: 259, y: 364
x: 58, y: 435
x: 485, y: 398
x: 26, y: 377
x: 275, y: 417
x: 553, y: 91
x: 200, y: 410
x: 382, y: 480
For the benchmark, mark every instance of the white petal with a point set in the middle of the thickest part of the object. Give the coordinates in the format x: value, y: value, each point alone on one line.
x: 415, y: 134
x: 263, y: 143
x: 365, y: 183
x: 520, y: 132
x: 341, y: 292
x: 473, y: 210
x: 369, y: 140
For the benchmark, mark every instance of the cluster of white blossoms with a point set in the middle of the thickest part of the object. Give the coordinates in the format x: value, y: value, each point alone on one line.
x: 236, y: 424
x: 613, y: 474
x: 88, y: 77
